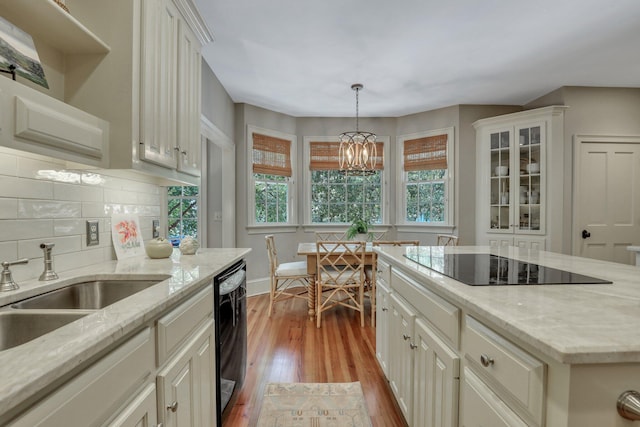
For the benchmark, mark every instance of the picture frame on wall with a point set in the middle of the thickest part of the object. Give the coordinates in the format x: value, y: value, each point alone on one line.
x: 18, y: 54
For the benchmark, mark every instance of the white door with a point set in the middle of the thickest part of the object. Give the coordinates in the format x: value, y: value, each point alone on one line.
x: 607, y: 199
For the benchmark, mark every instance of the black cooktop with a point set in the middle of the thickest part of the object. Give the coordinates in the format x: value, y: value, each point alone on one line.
x: 493, y: 270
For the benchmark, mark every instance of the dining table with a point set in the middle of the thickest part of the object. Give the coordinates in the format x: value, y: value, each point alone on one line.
x: 310, y: 250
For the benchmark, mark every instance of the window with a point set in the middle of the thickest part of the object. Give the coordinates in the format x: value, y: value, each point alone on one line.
x: 271, y: 177
x: 182, y: 213
x: 427, y: 178
x: 339, y: 198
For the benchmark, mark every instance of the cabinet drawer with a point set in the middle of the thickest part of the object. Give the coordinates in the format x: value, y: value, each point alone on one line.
x: 482, y: 407
x: 383, y: 271
x: 174, y: 328
x: 94, y: 395
x: 514, y: 374
x: 439, y: 312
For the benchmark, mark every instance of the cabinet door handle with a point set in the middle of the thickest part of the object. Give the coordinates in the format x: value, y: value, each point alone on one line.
x: 385, y: 309
x: 405, y: 336
x: 173, y: 407
x: 486, y: 360
x: 412, y: 346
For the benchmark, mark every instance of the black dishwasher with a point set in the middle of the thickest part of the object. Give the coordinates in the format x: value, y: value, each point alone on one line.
x: 230, y: 302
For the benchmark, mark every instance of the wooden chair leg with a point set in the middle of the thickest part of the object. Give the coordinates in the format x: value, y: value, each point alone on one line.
x: 318, y: 304
x: 272, y: 295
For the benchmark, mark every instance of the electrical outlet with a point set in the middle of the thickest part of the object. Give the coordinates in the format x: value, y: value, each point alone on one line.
x: 93, y: 233
x: 155, y: 227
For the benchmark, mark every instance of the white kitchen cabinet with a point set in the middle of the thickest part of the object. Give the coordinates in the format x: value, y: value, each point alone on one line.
x: 436, y: 379
x: 519, y: 178
x: 186, y: 353
x: 532, y: 243
x: 148, y: 87
x: 189, y: 77
x: 401, y: 324
x: 158, y: 82
x: 516, y: 377
x: 424, y: 369
x: 185, y: 385
x: 38, y: 123
x: 142, y: 412
x: 482, y: 408
x: 97, y: 393
x: 383, y: 305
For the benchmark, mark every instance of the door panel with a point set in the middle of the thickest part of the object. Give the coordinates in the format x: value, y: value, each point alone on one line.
x: 607, y: 200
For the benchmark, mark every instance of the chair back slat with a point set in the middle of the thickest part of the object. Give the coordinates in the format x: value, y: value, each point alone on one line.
x: 447, y: 240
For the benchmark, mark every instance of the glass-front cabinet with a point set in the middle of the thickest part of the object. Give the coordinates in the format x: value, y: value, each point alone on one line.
x: 512, y: 179
x: 516, y: 189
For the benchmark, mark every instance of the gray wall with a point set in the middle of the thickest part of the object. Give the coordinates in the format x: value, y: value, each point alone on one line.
x: 603, y: 111
x: 591, y: 111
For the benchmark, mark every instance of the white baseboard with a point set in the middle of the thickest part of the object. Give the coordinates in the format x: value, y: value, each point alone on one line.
x: 258, y: 286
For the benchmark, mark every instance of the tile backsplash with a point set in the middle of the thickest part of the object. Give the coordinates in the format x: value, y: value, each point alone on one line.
x: 43, y: 200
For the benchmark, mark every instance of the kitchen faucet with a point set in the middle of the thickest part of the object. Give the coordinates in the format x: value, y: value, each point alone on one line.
x: 6, y: 279
x: 48, y: 273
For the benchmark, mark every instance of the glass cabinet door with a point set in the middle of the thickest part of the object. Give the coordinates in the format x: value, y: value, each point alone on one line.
x: 500, y: 211
x: 530, y: 192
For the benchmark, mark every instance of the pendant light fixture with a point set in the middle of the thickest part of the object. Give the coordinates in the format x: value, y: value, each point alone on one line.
x: 357, y: 153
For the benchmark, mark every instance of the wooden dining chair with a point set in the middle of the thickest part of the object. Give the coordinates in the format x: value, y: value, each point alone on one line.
x: 340, y: 277
x: 447, y: 240
x: 396, y: 243
x: 330, y: 235
x: 287, y: 278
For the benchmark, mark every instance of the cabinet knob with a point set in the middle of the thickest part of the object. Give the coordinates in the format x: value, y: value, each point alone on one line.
x: 173, y: 407
x: 405, y: 336
x: 486, y: 360
x: 628, y: 405
x: 412, y: 346
x: 183, y: 152
x: 385, y: 309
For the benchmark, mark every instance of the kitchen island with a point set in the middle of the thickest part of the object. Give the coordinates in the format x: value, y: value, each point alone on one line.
x: 536, y: 355
x: 164, y: 312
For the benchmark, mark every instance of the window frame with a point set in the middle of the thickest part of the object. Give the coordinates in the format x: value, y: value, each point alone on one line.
x: 165, y: 210
x: 292, y: 217
x: 384, y: 203
x: 450, y: 190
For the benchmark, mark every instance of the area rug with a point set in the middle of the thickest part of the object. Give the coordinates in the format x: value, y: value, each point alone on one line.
x: 314, y: 405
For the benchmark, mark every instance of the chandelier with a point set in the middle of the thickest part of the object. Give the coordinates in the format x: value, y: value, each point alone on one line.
x: 357, y: 152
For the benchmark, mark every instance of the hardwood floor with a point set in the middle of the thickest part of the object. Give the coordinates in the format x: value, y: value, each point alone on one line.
x: 289, y: 348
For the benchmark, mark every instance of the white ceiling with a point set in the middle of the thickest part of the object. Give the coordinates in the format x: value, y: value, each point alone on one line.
x: 300, y: 57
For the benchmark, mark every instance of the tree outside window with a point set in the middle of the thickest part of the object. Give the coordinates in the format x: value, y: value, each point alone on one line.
x: 271, y: 177
x: 337, y: 198
x: 182, y: 213
x: 427, y: 177
x: 271, y: 196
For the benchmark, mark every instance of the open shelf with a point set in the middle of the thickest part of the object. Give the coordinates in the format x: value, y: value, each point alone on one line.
x: 47, y: 21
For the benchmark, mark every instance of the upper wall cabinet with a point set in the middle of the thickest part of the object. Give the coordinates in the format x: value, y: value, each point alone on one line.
x: 148, y: 86
x: 37, y: 119
x: 520, y: 180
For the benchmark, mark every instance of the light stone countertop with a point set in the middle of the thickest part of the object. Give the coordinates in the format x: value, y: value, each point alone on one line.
x: 572, y: 324
x: 28, y: 368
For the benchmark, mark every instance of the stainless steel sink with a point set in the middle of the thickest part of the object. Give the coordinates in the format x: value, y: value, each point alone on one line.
x: 19, y: 327
x: 90, y: 295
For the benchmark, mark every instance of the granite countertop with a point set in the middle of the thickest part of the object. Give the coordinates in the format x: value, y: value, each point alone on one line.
x: 572, y: 324
x: 26, y: 369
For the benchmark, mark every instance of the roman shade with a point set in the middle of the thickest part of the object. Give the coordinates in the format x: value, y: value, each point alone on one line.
x: 324, y: 156
x: 271, y: 156
x: 426, y: 153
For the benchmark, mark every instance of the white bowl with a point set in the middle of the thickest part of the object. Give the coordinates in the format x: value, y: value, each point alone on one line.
x: 533, y: 168
x: 502, y: 170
